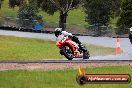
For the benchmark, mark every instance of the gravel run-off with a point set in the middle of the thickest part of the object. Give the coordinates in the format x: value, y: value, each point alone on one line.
x: 56, y: 66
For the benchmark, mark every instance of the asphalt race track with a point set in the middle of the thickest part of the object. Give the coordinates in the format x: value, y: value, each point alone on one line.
x: 103, y: 41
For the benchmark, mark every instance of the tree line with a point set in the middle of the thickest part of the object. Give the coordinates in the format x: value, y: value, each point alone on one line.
x: 98, y: 12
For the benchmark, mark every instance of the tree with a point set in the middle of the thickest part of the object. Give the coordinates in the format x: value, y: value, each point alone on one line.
x: 13, y: 3
x: 63, y: 6
x: 51, y: 6
x: 115, y: 8
x: 125, y: 20
x: 27, y: 11
x: 27, y: 14
x: 97, y: 13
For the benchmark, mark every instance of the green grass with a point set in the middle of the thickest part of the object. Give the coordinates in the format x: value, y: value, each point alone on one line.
x: 113, y: 22
x: 59, y: 78
x: 100, y: 50
x: 15, y: 48
x: 25, y: 48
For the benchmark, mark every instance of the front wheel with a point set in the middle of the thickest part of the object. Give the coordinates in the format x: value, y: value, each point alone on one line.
x: 67, y: 52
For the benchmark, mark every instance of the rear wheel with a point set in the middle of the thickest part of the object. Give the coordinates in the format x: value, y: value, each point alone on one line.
x: 67, y: 52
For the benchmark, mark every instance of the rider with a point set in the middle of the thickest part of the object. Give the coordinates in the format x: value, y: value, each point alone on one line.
x: 58, y: 32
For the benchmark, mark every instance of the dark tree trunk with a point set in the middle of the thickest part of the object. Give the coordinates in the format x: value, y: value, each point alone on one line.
x: 62, y: 22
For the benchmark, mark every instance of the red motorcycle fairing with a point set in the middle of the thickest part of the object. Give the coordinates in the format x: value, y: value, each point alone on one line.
x: 65, y: 40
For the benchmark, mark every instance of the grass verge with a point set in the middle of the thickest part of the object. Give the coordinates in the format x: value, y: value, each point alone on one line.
x: 16, y: 48
x: 100, y: 50
x: 59, y: 79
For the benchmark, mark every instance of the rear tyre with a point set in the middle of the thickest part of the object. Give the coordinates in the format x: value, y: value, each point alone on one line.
x: 67, y: 52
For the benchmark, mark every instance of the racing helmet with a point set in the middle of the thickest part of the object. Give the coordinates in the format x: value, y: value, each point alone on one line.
x: 58, y: 31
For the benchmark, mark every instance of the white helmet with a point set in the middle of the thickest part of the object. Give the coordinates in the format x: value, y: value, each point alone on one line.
x: 58, y: 31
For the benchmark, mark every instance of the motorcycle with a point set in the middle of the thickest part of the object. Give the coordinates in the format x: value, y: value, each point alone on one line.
x: 70, y: 49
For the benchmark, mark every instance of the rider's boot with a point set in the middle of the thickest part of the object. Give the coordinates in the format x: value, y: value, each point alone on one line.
x: 75, y: 39
x: 82, y: 48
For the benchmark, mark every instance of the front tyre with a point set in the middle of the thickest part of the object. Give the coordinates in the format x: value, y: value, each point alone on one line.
x: 67, y: 52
